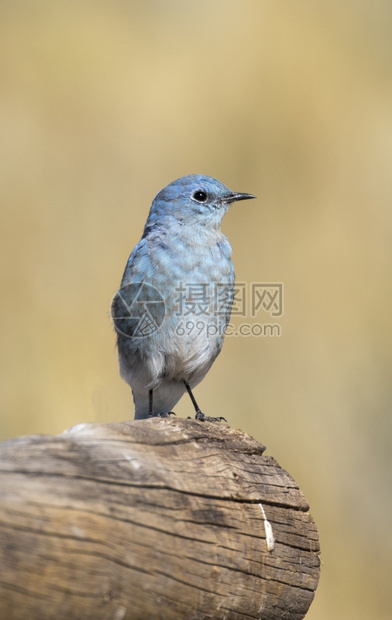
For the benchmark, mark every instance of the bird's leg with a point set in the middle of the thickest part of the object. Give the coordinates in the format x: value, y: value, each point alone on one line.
x: 199, y: 414
x: 151, y: 408
x: 193, y: 399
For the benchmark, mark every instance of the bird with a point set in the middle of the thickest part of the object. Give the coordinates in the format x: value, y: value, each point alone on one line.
x: 174, y: 302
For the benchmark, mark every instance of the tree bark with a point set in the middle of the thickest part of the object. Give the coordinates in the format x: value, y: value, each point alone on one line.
x: 158, y: 518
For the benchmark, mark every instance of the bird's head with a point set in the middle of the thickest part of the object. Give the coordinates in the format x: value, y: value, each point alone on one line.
x: 194, y: 199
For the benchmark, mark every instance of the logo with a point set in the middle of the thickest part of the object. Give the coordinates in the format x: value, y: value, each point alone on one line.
x: 137, y: 310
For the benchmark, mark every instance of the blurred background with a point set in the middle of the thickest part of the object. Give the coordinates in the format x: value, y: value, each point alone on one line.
x: 104, y: 103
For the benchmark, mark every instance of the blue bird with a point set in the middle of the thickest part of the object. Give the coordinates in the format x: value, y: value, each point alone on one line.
x: 174, y: 303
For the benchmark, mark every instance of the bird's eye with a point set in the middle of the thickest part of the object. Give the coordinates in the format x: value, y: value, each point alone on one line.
x: 200, y: 195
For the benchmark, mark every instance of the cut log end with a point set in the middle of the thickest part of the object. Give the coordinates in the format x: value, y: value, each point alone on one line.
x: 158, y: 518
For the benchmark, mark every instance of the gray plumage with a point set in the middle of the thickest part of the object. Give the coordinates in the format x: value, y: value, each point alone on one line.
x: 176, y: 293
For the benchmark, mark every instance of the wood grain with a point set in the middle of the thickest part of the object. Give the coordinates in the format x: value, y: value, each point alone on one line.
x: 151, y: 519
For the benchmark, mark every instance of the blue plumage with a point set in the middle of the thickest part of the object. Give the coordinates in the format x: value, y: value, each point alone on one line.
x: 175, y: 299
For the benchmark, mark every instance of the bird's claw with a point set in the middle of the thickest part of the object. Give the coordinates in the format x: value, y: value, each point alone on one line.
x: 206, y: 418
x: 166, y: 414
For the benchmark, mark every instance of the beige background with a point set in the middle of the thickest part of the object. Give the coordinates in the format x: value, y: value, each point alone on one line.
x: 104, y: 103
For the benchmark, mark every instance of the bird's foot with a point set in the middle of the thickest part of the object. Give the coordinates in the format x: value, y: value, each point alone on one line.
x: 164, y: 414
x: 206, y: 418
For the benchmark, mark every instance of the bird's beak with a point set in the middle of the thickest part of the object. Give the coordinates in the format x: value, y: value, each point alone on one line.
x: 234, y: 196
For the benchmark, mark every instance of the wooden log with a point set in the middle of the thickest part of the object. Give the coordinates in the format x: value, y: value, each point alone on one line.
x: 158, y: 518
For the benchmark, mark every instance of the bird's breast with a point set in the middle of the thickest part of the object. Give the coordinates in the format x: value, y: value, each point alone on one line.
x: 198, y: 256
x: 193, y: 280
